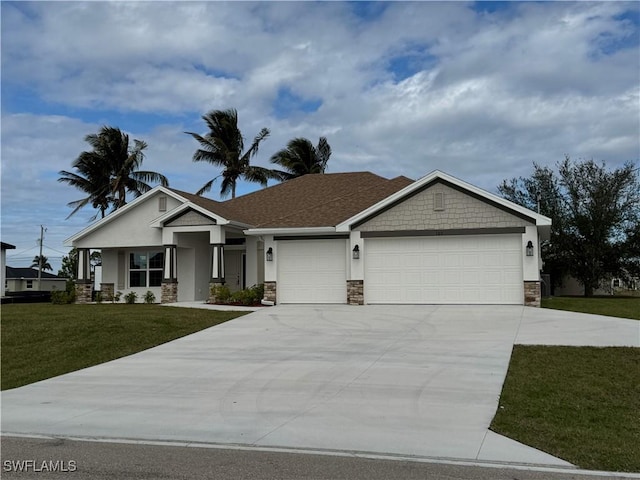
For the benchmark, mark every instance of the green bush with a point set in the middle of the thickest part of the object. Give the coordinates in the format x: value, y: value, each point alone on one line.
x: 98, y: 297
x: 116, y: 297
x: 249, y: 296
x: 221, y: 293
x: 131, y: 297
x: 66, y: 296
x: 149, y: 297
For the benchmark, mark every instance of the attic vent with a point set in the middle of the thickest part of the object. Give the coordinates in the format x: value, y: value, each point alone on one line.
x: 162, y: 204
x: 438, y: 201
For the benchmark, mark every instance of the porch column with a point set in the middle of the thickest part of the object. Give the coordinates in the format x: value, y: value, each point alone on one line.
x: 169, y: 293
x: 84, y: 286
x: 217, y: 269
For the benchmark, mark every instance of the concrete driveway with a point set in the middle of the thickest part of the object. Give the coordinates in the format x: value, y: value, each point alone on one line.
x: 401, y: 380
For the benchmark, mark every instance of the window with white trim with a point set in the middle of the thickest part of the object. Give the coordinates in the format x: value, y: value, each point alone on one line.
x: 29, y: 283
x: 145, y: 269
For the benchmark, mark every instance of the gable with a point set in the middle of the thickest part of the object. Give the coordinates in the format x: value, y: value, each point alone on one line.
x: 129, y: 226
x: 189, y: 218
x: 460, y: 209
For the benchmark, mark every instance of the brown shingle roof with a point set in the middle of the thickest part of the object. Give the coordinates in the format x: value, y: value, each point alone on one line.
x: 317, y: 200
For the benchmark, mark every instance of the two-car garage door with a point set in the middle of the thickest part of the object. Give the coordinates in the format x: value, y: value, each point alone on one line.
x: 453, y: 269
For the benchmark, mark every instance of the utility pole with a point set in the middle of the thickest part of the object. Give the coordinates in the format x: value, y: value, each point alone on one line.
x: 42, y: 230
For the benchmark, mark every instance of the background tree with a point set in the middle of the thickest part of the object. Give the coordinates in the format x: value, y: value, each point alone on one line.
x: 300, y: 157
x: 69, y: 267
x: 223, y: 146
x: 41, y: 262
x: 110, y: 171
x: 595, y: 214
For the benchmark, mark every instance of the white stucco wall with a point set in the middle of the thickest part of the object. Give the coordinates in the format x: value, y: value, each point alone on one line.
x: 130, y: 228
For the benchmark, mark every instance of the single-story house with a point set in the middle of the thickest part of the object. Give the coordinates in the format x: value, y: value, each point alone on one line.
x: 609, y: 286
x: 26, y: 280
x: 324, y: 238
x: 3, y: 264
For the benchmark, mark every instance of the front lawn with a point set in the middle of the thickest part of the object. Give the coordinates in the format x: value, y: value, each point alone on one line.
x: 577, y: 403
x: 42, y: 340
x: 624, y: 307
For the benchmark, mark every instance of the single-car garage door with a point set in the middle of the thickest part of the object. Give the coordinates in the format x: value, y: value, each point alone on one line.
x: 312, y: 271
x: 449, y: 269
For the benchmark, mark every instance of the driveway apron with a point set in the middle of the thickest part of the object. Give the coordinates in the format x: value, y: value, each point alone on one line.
x: 403, y: 380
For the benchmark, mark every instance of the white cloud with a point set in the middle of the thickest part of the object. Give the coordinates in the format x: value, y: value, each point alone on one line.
x: 500, y: 91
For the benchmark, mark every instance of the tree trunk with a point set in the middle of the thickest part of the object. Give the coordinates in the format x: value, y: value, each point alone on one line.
x: 588, y: 291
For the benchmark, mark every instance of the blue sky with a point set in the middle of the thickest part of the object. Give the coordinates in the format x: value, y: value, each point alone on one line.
x: 479, y: 90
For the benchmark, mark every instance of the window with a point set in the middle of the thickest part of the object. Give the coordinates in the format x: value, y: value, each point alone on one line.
x: 145, y: 269
x: 162, y: 204
x: 29, y: 283
x: 438, y: 201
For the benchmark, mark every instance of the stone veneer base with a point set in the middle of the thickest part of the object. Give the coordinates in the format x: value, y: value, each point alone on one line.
x: 84, y: 292
x: 107, y: 290
x: 270, y: 292
x: 355, y: 292
x: 169, y: 292
x: 532, y: 293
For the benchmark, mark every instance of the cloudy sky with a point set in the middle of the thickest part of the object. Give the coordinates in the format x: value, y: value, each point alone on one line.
x: 479, y: 90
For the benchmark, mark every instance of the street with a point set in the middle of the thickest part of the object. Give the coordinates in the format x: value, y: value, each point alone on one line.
x: 90, y: 460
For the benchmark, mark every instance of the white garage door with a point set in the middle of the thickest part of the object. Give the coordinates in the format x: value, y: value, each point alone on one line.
x: 312, y: 271
x: 455, y: 269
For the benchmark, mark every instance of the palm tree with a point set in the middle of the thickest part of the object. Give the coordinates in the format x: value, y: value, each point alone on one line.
x: 300, y: 157
x: 223, y: 146
x: 41, y: 262
x: 110, y: 171
x: 94, y: 179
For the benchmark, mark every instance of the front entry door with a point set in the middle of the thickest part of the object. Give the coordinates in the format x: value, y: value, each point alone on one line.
x: 233, y: 270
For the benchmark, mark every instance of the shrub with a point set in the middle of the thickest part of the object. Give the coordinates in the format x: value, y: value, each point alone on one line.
x: 249, y: 296
x: 149, y: 297
x: 221, y: 293
x: 66, y: 296
x: 131, y: 297
x: 98, y: 296
x: 116, y: 297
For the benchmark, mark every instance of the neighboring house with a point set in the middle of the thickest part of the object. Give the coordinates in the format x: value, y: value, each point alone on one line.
x: 612, y: 286
x: 325, y: 238
x: 26, y: 280
x: 3, y: 264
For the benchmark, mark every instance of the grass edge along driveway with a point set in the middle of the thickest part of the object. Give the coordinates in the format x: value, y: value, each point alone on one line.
x: 576, y: 403
x: 41, y: 341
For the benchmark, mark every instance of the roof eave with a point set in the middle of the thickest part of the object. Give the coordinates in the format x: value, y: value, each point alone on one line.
x: 290, y: 231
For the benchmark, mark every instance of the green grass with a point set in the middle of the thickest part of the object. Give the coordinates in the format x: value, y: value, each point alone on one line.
x: 40, y: 341
x: 624, y: 307
x: 581, y: 404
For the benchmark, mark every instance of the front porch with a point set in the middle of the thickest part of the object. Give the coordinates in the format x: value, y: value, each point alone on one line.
x: 183, y: 269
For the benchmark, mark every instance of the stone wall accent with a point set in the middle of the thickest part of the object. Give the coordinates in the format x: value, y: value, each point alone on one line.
x: 108, y: 291
x: 84, y: 292
x: 532, y: 294
x: 460, y: 211
x: 169, y: 292
x: 355, y: 292
x: 270, y: 291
